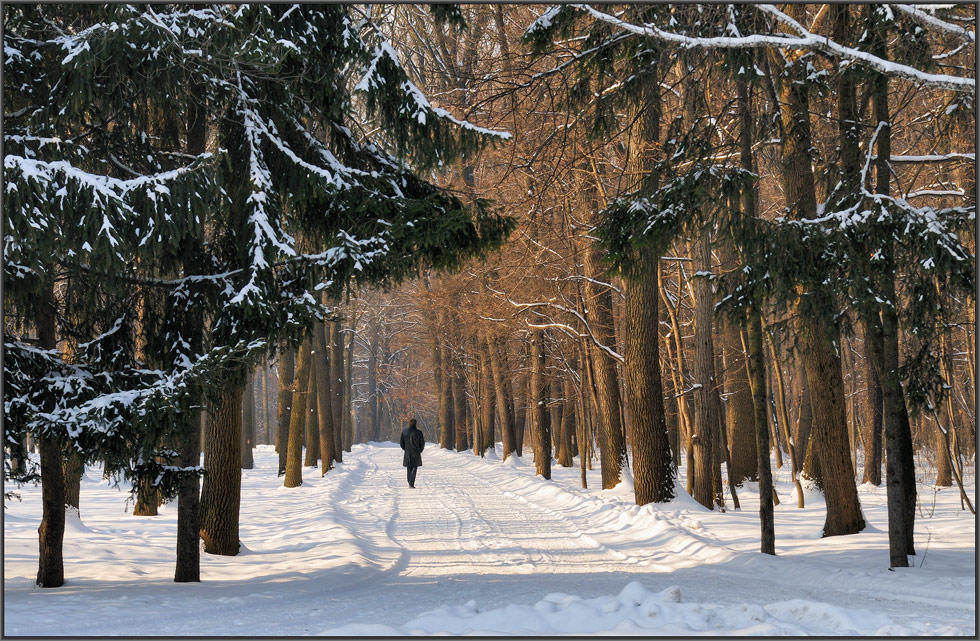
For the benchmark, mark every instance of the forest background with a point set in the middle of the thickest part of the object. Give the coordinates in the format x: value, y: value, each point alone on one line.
x: 729, y: 230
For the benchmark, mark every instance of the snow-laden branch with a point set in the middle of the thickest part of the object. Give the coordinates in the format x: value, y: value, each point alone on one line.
x: 803, y: 40
x: 932, y: 21
x: 887, y: 67
x: 933, y: 157
x: 373, y: 81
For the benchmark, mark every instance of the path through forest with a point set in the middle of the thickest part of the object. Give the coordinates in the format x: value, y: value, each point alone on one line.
x: 478, y: 546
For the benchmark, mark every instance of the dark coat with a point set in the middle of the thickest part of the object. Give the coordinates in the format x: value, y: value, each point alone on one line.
x: 413, y: 442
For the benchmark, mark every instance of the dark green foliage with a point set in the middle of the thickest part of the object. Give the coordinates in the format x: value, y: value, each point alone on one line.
x: 173, y: 272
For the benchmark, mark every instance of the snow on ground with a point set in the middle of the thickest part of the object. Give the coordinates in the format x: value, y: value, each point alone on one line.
x: 486, y: 548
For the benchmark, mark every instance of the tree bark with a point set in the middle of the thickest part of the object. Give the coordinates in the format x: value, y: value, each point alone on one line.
x: 248, y: 422
x: 221, y: 490
x: 738, y: 405
x: 542, y: 436
x: 51, y: 532
x: 568, y: 427
x: 312, y: 423
x: 759, y: 396
x: 334, y: 333
x: 829, y: 431
x: 459, y: 405
x: 297, y: 423
x: 653, y: 472
x: 821, y: 363
x: 498, y: 364
x: 704, y: 370
x: 324, y: 399
x: 873, y: 425
x: 372, y: 399
x: 286, y: 367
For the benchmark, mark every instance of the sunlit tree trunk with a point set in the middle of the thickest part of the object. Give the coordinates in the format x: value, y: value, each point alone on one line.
x: 498, y: 365
x: 542, y: 436
x: 297, y: 419
x: 286, y: 367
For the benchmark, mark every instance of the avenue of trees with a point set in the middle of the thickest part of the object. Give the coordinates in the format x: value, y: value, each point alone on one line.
x: 735, y: 234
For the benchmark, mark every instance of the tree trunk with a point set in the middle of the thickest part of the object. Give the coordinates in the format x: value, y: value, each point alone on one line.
x: 286, y: 367
x: 568, y: 427
x: 72, y: 469
x: 221, y: 490
x: 653, y: 472
x: 297, y: 423
x: 312, y: 431
x: 446, y: 428
x: 822, y: 365
x: 146, y: 498
x: 487, y: 401
x: 900, y: 464
x: 372, y: 399
x: 248, y: 422
x: 759, y: 395
x: 459, y: 405
x: 51, y: 532
x: 704, y: 374
x: 873, y: 425
x: 542, y: 436
x: 738, y: 405
x: 334, y: 333
x: 324, y: 399
x: 498, y: 364
x: 829, y: 431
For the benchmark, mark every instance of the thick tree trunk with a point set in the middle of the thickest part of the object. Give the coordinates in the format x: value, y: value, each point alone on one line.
x: 297, y: 422
x: 286, y: 367
x: 829, y: 432
x: 324, y: 399
x: 738, y: 405
x: 51, y: 532
x: 146, y: 498
x: 542, y: 436
x: 653, y: 472
x: 704, y: 374
x: 822, y: 365
x: 348, y: 419
x: 188, y: 569
x: 221, y: 490
x: 72, y: 469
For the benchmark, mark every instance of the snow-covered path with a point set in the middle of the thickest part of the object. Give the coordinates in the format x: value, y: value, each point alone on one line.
x: 486, y: 547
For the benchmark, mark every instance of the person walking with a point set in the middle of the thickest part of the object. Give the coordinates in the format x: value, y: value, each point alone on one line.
x: 413, y: 442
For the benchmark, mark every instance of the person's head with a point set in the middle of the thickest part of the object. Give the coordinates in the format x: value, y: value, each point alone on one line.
x: 411, y: 423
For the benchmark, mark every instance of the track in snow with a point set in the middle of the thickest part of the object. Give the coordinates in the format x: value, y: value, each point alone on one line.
x: 360, y: 547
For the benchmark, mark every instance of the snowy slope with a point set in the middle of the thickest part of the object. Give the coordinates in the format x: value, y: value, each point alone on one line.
x: 484, y: 547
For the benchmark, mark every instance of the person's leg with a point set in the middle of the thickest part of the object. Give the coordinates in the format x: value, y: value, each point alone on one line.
x: 412, y: 471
